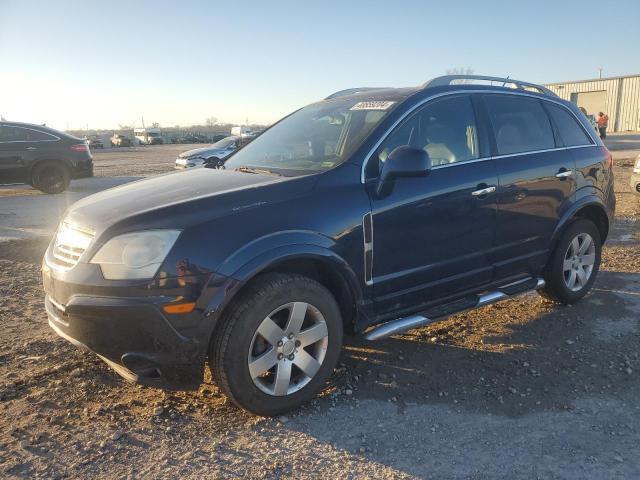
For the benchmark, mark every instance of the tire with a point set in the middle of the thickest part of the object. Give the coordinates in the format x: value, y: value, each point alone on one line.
x: 562, y: 284
x: 213, y: 161
x: 51, y: 177
x: 237, y: 344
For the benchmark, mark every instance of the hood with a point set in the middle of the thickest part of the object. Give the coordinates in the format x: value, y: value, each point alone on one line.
x: 195, y: 191
x: 197, y: 152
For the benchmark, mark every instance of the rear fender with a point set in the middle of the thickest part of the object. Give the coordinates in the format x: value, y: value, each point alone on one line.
x: 587, y: 199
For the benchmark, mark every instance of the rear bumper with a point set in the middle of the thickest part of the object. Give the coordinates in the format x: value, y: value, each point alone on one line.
x: 82, y: 170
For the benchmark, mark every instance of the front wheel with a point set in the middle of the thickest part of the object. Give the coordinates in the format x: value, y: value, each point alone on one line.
x: 278, y: 344
x: 574, y: 263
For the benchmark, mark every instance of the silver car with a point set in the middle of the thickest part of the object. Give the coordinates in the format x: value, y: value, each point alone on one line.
x: 635, y: 176
x: 218, y: 151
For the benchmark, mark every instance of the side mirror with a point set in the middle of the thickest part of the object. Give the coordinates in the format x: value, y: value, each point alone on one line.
x: 404, y: 161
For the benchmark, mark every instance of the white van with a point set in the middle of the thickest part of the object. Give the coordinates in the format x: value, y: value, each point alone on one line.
x: 241, y: 130
x: 149, y: 136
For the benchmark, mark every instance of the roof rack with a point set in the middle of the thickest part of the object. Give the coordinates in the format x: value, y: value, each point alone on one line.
x: 519, y: 84
x: 351, y: 91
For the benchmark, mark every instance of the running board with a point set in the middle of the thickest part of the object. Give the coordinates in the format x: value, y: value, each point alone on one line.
x: 407, y: 323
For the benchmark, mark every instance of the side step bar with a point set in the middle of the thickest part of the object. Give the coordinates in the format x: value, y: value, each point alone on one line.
x: 407, y: 323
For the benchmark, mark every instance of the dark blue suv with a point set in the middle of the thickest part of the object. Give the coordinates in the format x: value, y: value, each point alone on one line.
x: 373, y: 211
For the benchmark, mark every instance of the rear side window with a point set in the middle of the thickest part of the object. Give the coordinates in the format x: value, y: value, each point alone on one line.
x: 571, y: 133
x: 519, y: 124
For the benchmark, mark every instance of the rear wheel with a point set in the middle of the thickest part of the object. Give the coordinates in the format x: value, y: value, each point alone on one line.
x: 51, y: 177
x: 278, y: 344
x: 574, y: 263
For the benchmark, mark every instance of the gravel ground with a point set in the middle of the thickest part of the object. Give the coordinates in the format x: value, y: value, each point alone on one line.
x: 521, y: 389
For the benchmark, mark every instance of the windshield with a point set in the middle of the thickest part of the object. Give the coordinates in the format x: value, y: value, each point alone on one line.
x: 313, y: 139
x: 224, y: 143
x: 152, y: 134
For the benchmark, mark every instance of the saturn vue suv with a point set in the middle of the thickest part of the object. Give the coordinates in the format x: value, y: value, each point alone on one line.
x: 373, y: 211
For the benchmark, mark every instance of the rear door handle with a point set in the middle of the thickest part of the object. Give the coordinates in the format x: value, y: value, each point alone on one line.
x: 563, y: 173
x: 483, y: 191
x: 31, y: 148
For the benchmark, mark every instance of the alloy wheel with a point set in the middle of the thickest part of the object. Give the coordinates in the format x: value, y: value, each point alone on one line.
x: 288, y: 348
x: 579, y: 260
x: 52, y: 178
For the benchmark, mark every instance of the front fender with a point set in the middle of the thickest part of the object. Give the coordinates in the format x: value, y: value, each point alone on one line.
x: 260, y: 255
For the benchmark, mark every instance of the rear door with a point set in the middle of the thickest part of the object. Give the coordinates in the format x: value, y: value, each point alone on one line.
x: 536, y: 182
x: 432, y: 235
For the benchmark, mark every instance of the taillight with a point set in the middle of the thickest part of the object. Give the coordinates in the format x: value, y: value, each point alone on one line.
x: 80, y: 147
x: 610, y: 162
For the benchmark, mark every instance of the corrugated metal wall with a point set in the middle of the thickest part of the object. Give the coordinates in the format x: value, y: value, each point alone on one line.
x: 622, y: 99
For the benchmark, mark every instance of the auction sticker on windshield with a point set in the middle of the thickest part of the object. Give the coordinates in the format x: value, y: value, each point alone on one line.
x: 374, y: 105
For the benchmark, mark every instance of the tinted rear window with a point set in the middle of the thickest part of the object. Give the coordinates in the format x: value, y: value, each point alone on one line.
x: 571, y: 133
x: 519, y: 124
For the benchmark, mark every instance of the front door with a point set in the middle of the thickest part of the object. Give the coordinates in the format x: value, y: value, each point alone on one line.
x: 432, y: 235
x: 12, y: 151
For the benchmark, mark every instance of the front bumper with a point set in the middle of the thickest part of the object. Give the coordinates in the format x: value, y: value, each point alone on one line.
x: 132, y: 334
x: 182, y: 163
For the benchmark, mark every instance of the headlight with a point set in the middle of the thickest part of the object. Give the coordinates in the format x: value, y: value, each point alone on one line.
x: 135, y: 255
x: 636, y: 168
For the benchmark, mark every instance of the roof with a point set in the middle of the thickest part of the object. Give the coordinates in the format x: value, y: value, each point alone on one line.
x: 443, y: 83
x: 36, y: 127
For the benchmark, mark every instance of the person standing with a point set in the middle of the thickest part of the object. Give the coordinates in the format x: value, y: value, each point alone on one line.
x: 603, y: 123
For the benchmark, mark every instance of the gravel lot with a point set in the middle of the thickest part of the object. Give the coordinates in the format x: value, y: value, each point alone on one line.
x: 520, y: 389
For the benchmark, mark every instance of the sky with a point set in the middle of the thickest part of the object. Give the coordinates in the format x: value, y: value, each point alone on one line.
x: 74, y: 64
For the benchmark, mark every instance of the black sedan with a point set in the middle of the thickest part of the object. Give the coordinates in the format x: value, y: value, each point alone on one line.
x: 42, y: 157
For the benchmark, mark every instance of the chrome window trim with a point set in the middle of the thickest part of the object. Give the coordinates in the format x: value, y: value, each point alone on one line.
x: 56, y: 138
x: 487, y: 92
x: 484, y: 159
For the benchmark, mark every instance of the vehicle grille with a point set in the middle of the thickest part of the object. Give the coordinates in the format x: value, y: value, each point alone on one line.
x: 70, y: 243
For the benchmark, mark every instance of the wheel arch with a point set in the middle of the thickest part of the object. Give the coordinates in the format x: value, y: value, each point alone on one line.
x: 590, y: 207
x: 318, y: 263
x: 32, y: 168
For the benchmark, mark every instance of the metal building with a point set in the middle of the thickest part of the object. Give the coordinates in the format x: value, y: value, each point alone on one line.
x: 618, y: 97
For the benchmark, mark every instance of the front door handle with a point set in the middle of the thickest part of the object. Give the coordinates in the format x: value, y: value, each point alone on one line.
x: 31, y: 148
x: 564, y: 173
x: 483, y: 192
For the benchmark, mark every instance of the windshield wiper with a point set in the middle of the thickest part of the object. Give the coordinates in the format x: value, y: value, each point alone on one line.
x: 263, y: 171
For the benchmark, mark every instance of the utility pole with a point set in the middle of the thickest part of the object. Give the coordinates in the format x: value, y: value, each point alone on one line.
x: 600, y: 69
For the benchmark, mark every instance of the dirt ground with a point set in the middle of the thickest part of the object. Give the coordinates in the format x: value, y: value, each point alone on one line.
x: 521, y: 389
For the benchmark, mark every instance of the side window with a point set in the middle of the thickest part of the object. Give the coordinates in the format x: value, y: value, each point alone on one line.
x: 519, y: 124
x: 6, y: 134
x: 37, y: 136
x: 571, y: 133
x: 12, y: 134
x: 445, y: 129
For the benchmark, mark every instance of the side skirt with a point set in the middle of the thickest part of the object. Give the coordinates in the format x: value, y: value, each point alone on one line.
x: 432, y: 315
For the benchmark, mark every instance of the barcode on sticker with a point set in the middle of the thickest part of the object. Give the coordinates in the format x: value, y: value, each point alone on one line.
x: 375, y: 105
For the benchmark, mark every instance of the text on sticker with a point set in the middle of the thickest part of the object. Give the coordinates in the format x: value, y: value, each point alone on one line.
x: 375, y: 105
